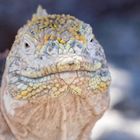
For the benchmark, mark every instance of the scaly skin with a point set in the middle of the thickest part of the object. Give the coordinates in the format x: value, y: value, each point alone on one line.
x: 56, y: 80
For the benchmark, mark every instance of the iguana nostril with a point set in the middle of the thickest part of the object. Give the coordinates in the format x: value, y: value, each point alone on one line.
x: 71, y: 63
x: 41, y: 58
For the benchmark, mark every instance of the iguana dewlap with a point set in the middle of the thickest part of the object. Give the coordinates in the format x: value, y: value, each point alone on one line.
x: 56, y: 80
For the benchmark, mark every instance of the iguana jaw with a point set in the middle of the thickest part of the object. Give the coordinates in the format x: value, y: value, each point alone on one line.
x: 54, y: 85
x: 67, y: 77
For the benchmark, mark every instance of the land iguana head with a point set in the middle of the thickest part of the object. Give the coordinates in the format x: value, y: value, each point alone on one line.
x: 56, y: 80
x: 56, y: 55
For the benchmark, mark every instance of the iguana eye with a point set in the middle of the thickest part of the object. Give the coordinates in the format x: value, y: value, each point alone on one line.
x: 26, y: 45
x: 91, y: 40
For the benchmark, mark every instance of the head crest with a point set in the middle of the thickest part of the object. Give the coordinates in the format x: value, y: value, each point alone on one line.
x: 40, y: 12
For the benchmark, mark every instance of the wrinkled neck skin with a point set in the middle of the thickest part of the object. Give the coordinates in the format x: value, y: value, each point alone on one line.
x: 68, y: 117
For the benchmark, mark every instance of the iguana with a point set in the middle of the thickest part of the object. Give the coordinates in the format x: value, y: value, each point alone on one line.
x: 56, y: 81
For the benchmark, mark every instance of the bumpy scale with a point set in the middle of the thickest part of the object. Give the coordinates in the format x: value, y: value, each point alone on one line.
x: 56, y: 80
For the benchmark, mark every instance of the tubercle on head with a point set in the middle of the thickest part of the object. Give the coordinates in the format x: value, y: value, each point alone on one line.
x: 40, y: 12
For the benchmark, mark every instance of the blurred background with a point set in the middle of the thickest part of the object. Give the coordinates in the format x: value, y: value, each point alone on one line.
x: 116, y: 24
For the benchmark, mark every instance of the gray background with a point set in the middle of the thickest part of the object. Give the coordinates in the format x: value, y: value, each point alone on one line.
x: 116, y: 24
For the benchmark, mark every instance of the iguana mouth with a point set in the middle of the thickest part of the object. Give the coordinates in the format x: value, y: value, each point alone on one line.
x: 62, y: 75
x: 61, y: 68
